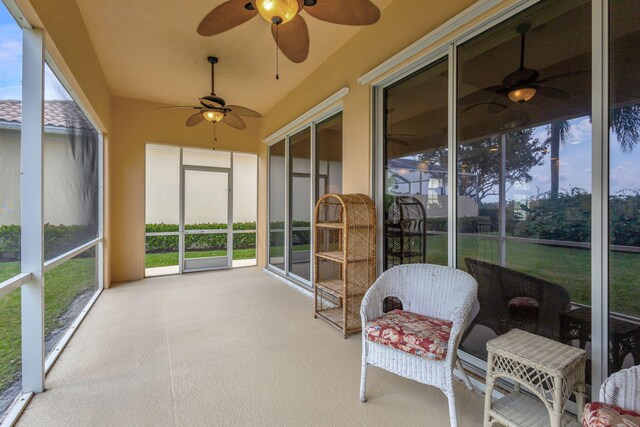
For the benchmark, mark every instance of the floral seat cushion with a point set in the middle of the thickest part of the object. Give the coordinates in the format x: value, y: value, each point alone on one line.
x: 598, y: 414
x: 413, y: 333
x: 523, y: 309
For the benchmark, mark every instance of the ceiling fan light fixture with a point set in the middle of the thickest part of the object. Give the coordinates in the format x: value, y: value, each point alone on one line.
x: 213, y: 116
x: 522, y: 94
x: 277, y: 11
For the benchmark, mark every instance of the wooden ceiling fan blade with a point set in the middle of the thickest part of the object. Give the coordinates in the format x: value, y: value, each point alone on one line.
x: 234, y: 121
x: 228, y: 15
x: 244, y: 111
x: 397, y: 141
x: 292, y: 39
x: 352, y: 12
x: 562, y: 76
x: 552, y: 92
x: 481, y: 95
x: 496, y: 107
x: 195, y: 119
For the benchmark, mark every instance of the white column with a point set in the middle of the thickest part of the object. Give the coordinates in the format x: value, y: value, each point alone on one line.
x: 452, y: 167
x: 600, y: 196
x: 32, y: 212
x: 502, y: 217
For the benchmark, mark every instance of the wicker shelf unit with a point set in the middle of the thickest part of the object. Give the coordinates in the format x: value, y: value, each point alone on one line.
x: 344, y: 258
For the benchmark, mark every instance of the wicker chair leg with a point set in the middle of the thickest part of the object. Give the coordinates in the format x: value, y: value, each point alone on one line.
x: 465, y: 378
x: 452, y: 409
x: 363, y: 382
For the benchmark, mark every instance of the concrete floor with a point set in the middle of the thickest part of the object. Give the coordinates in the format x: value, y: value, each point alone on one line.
x: 234, y: 348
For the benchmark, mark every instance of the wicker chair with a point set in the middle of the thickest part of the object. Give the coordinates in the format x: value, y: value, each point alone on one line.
x: 500, y: 287
x: 619, y: 401
x: 440, y: 293
x: 623, y: 389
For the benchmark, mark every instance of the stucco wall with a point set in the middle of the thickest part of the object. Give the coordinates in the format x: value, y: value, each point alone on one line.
x: 402, y: 23
x: 63, y: 202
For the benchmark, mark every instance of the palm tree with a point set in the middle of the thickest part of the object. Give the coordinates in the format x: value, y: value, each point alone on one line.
x: 625, y: 124
x: 557, y: 133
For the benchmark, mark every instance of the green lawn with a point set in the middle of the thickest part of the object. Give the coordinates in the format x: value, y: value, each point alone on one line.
x: 568, y: 267
x: 171, y: 258
x: 62, y: 284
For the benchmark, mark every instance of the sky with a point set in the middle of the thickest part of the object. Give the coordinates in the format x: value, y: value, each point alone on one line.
x: 11, y: 63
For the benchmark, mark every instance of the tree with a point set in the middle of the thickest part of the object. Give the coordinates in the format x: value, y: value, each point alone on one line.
x: 479, y: 162
x: 557, y: 133
x: 625, y: 124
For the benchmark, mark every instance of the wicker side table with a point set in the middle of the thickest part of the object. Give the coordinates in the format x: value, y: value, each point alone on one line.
x: 550, y: 370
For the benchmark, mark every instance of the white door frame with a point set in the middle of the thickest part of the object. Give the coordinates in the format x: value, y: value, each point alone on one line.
x: 229, y: 231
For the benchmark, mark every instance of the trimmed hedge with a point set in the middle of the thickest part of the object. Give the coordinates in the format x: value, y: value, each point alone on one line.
x: 58, y: 239
x: 159, y: 244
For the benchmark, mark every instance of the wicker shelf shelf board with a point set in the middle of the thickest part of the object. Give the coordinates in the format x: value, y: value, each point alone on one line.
x: 519, y: 409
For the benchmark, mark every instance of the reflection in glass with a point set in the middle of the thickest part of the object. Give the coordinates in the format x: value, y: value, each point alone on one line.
x: 416, y: 159
x: 300, y: 181
x: 67, y: 290
x: 524, y: 176
x: 624, y: 185
x: 71, y: 181
x: 10, y: 124
x: 329, y: 156
x: 277, y: 180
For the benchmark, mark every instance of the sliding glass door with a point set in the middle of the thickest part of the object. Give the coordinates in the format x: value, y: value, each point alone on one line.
x: 300, y: 207
x: 524, y: 173
x: 303, y: 167
x: 624, y: 185
x: 545, y: 215
x: 415, y: 168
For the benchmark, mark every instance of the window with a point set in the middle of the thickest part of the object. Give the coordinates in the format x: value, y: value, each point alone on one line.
x: 277, y: 206
x: 624, y: 185
x: 71, y: 229
x: 71, y: 208
x: 415, y: 164
x: 524, y: 173
x: 10, y: 129
x: 303, y: 167
x: 300, y: 204
x: 329, y: 156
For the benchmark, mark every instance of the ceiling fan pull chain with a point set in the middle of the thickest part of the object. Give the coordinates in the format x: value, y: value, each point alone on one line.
x: 213, y: 133
x: 277, y: 64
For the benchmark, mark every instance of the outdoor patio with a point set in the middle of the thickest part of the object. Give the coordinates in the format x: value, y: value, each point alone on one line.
x: 232, y: 347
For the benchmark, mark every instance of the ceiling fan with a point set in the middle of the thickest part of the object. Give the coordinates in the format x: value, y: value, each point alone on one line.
x: 214, y: 109
x: 288, y: 27
x: 519, y: 86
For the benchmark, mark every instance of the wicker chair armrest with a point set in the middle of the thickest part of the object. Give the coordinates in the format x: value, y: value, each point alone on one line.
x: 371, y: 306
x: 459, y: 317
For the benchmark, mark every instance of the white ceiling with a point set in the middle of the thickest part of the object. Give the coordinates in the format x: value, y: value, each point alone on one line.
x: 150, y: 50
